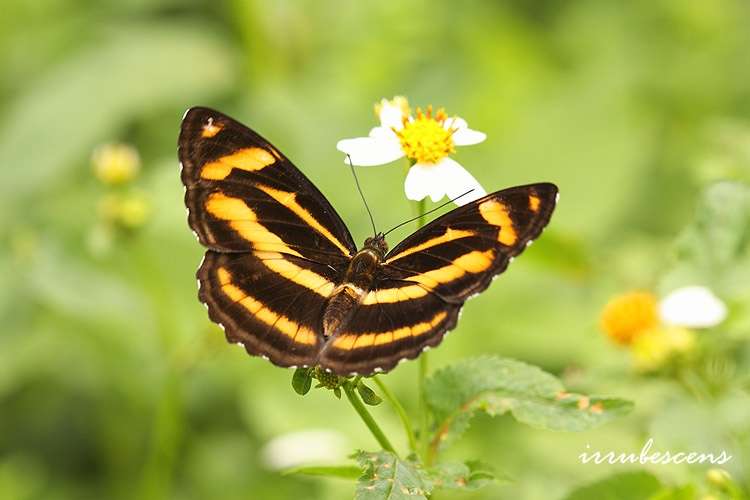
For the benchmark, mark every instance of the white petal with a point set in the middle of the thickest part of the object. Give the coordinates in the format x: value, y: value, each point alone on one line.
x: 391, y: 116
x: 419, y: 182
x: 383, y: 133
x: 446, y: 177
x: 457, y: 181
x: 463, y: 135
x: 692, y: 307
x: 368, y: 151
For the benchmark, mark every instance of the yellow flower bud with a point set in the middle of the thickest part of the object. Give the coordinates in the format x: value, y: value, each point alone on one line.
x: 116, y: 163
x: 128, y: 211
x: 654, y: 347
x: 398, y: 101
x: 628, y: 315
x: 718, y: 477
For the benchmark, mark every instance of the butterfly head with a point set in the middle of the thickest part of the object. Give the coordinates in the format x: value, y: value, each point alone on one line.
x: 377, y: 244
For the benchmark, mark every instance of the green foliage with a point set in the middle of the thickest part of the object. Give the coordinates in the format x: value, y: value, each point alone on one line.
x: 368, y: 395
x: 302, y: 380
x: 471, y: 475
x: 715, y: 249
x: 339, y: 471
x: 496, y: 385
x: 387, y: 477
x: 622, y: 486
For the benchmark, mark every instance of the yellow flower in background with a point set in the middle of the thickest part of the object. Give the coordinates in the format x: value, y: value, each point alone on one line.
x: 116, y: 163
x: 654, y: 347
x: 426, y: 138
x: 628, y: 315
x: 656, y: 330
x: 129, y: 210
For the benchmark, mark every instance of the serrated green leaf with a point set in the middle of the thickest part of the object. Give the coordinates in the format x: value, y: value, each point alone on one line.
x: 368, y: 395
x: 496, y: 386
x: 471, y: 475
x: 387, y: 477
x: 622, y: 486
x: 340, y: 471
x: 302, y: 381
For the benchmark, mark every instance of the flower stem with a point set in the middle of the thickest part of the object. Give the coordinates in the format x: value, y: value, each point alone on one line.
x: 424, y: 421
x: 401, y: 412
x: 366, y: 417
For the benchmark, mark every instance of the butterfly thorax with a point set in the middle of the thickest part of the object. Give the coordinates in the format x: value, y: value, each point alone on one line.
x: 358, y: 280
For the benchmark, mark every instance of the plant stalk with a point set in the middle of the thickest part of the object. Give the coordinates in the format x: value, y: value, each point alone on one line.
x: 400, y: 411
x: 366, y: 417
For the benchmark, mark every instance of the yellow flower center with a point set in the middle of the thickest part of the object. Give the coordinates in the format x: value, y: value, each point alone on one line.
x: 425, y: 139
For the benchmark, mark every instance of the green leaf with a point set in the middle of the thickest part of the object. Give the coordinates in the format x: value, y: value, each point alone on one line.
x: 340, y: 471
x: 387, y: 477
x: 622, y: 486
x: 302, y: 381
x: 497, y: 385
x: 368, y: 395
x: 686, y: 492
x: 714, y: 249
x: 471, y: 475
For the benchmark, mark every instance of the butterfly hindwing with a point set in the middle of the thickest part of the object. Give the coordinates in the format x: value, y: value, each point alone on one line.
x: 425, y: 279
x: 242, y: 194
x: 270, y: 303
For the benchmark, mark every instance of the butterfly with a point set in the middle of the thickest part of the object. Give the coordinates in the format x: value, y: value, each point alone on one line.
x: 283, y: 277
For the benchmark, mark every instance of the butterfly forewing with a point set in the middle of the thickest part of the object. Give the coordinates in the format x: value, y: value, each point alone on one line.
x: 242, y: 194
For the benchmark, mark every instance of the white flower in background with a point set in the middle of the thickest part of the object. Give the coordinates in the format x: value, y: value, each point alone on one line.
x: 692, y: 307
x: 302, y: 448
x: 426, y: 139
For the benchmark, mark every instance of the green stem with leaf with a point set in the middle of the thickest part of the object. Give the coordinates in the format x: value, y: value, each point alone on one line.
x: 424, y: 418
x: 405, y: 421
x: 359, y: 407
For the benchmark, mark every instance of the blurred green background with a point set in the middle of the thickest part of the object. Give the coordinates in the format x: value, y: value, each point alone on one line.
x: 114, y: 384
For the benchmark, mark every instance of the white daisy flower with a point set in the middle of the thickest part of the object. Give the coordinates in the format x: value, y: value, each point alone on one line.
x: 426, y: 139
x: 692, y: 307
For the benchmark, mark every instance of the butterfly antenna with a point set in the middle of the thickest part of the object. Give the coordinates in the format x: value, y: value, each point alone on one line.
x: 428, y: 212
x: 356, y: 181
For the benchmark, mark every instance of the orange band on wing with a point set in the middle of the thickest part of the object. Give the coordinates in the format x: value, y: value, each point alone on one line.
x: 291, y: 329
x: 391, y: 295
x: 243, y: 220
x: 534, y: 202
x: 296, y: 274
x: 289, y: 201
x: 249, y: 159
x: 449, y: 235
x: 472, y: 262
x: 351, y: 341
x: 497, y: 214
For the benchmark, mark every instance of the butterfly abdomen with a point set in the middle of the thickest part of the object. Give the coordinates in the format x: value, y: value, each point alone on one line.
x: 358, y: 279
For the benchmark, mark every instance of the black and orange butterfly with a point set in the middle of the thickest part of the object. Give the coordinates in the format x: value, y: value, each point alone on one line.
x: 284, y: 278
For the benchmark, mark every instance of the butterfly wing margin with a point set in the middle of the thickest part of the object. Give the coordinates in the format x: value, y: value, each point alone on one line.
x: 242, y: 194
